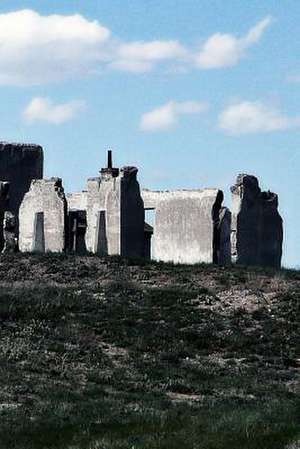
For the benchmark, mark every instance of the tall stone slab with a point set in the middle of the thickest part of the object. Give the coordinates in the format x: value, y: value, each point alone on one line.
x: 189, y: 226
x: 257, y: 229
x: 115, y: 213
x: 42, y: 217
x: 19, y: 165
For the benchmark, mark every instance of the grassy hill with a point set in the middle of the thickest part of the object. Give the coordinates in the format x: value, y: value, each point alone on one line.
x: 106, y: 353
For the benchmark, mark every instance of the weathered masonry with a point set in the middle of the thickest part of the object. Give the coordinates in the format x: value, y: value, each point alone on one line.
x: 42, y: 217
x: 114, y: 212
x: 19, y: 165
x: 108, y: 218
x: 191, y: 226
x: 257, y: 230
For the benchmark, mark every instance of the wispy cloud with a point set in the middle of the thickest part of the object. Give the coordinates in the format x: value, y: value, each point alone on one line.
x: 225, y: 50
x: 167, y: 116
x: 44, y: 110
x: 254, y: 117
x: 38, y: 49
x: 143, y: 56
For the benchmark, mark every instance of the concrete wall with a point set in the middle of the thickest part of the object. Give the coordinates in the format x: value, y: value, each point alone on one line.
x: 19, y: 165
x: 77, y: 200
x: 115, y: 214
x: 257, y: 230
x: 42, y: 217
x: 185, y: 224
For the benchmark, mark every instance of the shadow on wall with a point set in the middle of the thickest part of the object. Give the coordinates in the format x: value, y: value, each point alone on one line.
x: 101, y: 239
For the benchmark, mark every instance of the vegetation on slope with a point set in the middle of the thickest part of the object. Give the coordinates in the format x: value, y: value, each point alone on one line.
x: 106, y: 353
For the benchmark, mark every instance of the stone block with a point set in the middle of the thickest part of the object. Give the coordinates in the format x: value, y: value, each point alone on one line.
x: 42, y: 217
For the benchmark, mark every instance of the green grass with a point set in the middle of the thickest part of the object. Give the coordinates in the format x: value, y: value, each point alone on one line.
x: 126, y: 354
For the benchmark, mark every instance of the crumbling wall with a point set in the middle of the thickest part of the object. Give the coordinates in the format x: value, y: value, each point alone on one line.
x: 42, y: 217
x: 19, y: 165
x: 186, y: 223
x: 77, y: 200
x: 115, y: 214
x: 257, y: 230
x: 132, y: 214
x: 103, y: 216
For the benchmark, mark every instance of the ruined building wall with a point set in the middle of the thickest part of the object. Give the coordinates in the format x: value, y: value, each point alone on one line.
x: 115, y: 214
x: 257, y: 230
x: 42, y: 217
x: 19, y: 165
x: 132, y: 214
x: 103, y: 216
x: 77, y: 200
x: 188, y: 226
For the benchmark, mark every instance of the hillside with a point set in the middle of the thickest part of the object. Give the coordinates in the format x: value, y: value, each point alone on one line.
x: 107, y: 353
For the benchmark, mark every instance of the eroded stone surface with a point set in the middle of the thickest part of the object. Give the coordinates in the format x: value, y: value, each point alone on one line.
x: 257, y: 231
x: 115, y: 213
x: 77, y: 200
x: 188, y: 226
x: 43, y: 216
x: 19, y: 165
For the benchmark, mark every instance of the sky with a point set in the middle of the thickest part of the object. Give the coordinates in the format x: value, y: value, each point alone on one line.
x: 192, y: 92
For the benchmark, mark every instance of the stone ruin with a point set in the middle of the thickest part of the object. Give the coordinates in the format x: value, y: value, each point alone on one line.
x: 257, y: 230
x: 108, y: 218
x: 42, y: 217
x: 191, y: 226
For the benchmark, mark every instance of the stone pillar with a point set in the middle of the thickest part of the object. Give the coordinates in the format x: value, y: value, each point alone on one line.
x: 257, y: 230
x: 115, y: 213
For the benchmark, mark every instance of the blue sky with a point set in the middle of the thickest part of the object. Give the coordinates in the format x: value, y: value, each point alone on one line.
x: 193, y: 92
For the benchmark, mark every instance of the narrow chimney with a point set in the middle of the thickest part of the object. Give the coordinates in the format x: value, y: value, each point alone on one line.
x: 109, y: 171
x: 109, y: 160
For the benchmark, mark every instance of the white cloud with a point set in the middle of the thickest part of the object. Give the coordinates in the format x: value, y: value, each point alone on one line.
x: 36, y: 49
x: 44, y: 110
x: 254, y: 117
x: 151, y: 51
x: 225, y: 50
x: 167, y: 116
x: 142, y: 56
